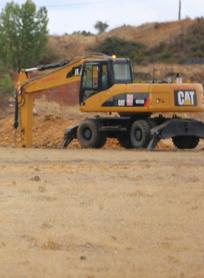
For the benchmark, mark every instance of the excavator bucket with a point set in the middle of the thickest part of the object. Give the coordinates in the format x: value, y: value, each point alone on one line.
x: 69, y: 135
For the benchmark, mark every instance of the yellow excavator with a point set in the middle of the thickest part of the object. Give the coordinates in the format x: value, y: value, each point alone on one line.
x: 106, y: 85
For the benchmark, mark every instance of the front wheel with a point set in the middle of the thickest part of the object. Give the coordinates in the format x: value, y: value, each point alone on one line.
x: 89, y: 135
x: 185, y: 142
x: 140, y: 134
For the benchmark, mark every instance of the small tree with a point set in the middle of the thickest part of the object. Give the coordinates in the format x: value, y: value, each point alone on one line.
x: 23, y: 34
x: 101, y: 26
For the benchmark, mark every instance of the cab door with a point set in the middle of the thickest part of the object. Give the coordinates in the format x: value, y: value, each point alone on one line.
x: 89, y: 81
x: 95, y: 78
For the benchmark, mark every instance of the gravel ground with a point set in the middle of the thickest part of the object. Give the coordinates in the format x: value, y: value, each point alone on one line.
x: 101, y: 213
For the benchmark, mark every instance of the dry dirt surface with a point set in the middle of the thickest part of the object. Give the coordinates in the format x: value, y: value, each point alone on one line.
x: 101, y: 213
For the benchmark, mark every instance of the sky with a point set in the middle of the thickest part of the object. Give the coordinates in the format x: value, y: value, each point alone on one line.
x: 67, y: 16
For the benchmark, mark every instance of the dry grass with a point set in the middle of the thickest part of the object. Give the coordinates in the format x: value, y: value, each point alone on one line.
x: 69, y: 46
x: 150, y: 34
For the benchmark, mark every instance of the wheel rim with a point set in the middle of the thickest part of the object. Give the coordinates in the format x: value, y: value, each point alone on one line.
x: 87, y: 134
x: 138, y: 134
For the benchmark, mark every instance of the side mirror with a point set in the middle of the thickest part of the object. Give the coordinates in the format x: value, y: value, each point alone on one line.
x: 74, y: 72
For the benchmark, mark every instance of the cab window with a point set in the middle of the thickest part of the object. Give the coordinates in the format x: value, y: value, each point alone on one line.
x: 104, y: 77
x: 122, y: 72
x: 95, y: 78
x: 90, y: 76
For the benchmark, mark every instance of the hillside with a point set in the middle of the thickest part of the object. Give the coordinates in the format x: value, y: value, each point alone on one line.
x: 68, y: 46
x: 151, y: 36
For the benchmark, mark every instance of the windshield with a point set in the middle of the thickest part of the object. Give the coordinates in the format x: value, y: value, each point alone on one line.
x: 122, y: 72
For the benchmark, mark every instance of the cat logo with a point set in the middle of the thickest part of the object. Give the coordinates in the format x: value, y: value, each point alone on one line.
x: 185, y: 98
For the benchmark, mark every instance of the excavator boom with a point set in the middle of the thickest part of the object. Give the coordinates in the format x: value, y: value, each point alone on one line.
x: 30, y: 82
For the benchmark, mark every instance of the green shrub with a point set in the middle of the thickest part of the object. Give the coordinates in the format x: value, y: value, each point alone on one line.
x: 83, y: 33
x: 122, y: 48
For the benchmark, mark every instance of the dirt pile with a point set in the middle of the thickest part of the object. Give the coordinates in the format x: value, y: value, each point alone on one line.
x: 50, y: 121
x: 48, y: 132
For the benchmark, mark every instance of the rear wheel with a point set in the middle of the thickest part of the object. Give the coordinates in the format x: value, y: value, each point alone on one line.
x: 89, y: 135
x: 140, y: 134
x: 185, y: 142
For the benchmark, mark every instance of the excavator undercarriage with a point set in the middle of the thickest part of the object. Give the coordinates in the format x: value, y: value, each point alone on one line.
x: 143, y: 133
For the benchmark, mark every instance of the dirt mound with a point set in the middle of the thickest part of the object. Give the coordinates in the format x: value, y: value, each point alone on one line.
x: 50, y: 122
x: 48, y: 131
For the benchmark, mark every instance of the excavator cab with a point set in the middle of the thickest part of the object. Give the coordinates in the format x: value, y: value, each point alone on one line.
x: 100, y: 75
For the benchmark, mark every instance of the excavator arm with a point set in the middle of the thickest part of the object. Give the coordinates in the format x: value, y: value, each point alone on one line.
x: 30, y: 82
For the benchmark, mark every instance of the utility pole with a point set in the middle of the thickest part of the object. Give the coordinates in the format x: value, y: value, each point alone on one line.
x: 179, y: 12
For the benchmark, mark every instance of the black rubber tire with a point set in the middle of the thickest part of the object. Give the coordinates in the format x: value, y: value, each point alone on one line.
x: 185, y: 142
x: 101, y: 141
x: 140, y: 134
x: 89, y: 136
x: 124, y: 141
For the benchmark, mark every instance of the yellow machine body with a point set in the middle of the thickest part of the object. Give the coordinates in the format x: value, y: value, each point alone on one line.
x: 159, y: 98
x: 127, y: 97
